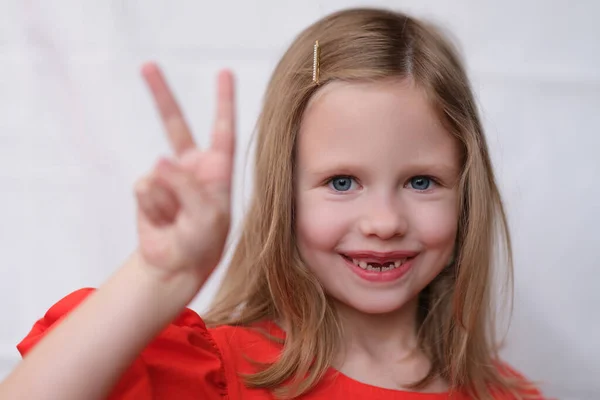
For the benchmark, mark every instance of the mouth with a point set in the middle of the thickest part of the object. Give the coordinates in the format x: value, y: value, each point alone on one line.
x: 380, y: 267
x: 377, y: 266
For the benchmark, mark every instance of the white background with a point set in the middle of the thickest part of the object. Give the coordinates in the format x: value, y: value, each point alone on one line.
x: 77, y: 128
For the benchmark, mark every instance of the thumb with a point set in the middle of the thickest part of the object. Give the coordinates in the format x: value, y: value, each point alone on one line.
x: 181, y: 182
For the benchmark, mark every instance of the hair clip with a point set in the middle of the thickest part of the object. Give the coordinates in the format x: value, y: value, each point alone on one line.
x: 316, y: 61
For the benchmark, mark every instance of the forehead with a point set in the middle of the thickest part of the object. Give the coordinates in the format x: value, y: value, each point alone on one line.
x: 369, y: 121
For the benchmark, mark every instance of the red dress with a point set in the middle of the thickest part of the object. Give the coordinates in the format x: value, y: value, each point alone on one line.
x: 189, y: 361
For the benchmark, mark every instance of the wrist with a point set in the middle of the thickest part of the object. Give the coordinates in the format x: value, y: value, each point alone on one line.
x: 171, y: 289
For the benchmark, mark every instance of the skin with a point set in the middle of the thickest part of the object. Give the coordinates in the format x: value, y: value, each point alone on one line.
x: 376, y: 171
x: 183, y: 221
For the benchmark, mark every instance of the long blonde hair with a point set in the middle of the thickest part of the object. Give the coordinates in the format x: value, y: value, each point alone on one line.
x: 266, y: 279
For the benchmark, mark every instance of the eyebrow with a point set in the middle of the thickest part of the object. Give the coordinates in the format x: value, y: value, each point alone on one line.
x: 435, y: 168
x: 333, y: 168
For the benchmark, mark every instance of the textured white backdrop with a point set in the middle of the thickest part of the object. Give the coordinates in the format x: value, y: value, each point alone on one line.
x: 77, y: 127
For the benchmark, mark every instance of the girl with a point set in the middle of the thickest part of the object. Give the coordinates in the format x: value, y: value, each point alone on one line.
x: 364, y: 265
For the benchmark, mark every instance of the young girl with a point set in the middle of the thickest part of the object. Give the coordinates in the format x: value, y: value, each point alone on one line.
x: 363, y: 269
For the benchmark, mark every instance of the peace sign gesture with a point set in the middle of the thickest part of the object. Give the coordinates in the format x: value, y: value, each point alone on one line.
x: 184, y: 203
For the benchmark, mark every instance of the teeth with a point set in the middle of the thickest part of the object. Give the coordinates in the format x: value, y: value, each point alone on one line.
x: 385, y: 267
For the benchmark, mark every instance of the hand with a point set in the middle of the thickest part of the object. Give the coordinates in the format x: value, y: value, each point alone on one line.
x: 184, y: 203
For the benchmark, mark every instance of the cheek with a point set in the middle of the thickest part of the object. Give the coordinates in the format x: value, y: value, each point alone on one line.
x: 436, y: 224
x: 320, y: 224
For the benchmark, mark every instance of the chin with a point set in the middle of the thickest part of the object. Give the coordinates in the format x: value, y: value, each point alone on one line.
x: 377, y: 304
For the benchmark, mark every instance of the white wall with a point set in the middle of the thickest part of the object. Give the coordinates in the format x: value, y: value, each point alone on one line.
x: 77, y: 127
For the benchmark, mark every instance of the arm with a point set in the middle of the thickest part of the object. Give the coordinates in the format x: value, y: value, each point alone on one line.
x: 85, y: 355
x: 183, y: 223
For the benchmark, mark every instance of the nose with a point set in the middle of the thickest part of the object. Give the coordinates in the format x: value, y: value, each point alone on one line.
x: 384, y: 218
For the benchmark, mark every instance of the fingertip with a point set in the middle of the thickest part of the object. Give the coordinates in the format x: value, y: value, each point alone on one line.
x: 226, y: 80
x: 226, y: 73
x: 148, y: 68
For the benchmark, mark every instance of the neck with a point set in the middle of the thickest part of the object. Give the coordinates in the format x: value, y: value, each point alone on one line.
x: 376, y: 336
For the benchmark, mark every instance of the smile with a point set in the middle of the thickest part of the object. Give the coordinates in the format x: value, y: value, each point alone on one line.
x: 379, y: 267
x: 373, y: 266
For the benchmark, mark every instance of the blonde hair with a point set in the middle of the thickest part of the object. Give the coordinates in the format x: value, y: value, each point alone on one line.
x: 266, y: 279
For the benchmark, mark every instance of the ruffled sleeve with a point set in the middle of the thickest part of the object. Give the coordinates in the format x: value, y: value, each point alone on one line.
x: 182, y: 362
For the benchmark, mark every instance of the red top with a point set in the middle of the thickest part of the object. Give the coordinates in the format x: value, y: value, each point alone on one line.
x: 189, y: 361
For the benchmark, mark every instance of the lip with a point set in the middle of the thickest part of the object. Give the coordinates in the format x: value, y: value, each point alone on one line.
x: 381, y: 277
x: 379, y: 257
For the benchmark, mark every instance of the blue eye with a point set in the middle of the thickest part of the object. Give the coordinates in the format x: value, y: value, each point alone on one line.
x: 341, y: 183
x: 421, y: 182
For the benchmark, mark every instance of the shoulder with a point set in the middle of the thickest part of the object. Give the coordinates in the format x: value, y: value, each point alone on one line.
x: 245, y: 346
x: 184, y: 361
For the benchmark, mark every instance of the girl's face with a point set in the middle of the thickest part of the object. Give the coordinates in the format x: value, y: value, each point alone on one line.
x: 377, y: 205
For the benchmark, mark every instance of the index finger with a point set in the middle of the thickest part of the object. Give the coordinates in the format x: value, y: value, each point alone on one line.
x: 223, y: 136
x: 178, y: 131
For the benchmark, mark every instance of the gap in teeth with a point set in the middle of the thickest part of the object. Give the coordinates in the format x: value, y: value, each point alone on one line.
x: 379, y: 267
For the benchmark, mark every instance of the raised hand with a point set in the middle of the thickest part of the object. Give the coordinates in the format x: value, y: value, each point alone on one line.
x: 184, y: 203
